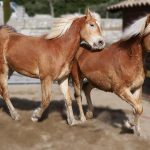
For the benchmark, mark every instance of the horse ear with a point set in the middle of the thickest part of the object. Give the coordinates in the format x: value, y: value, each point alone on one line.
x: 88, y: 14
x: 147, y: 24
x: 147, y: 20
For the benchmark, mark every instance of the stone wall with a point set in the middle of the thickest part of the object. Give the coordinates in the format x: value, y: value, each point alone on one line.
x: 1, y: 14
x: 112, y: 29
x: 37, y: 25
x: 41, y: 24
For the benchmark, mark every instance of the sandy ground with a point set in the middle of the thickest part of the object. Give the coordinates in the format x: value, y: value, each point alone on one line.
x: 103, y: 132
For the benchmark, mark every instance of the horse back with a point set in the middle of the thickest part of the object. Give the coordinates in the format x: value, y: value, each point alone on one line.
x: 34, y: 56
x: 118, y: 65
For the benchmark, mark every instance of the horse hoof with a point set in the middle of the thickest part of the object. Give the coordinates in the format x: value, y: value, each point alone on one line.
x: 36, y: 115
x: 34, y: 119
x: 83, y: 119
x: 15, y: 116
x: 137, y: 131
x: 128, y: 124
x: 73, y: 122
x: 69, y: 122
x: 89, y: 114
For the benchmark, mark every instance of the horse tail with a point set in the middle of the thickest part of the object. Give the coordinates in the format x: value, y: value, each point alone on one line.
x: 4, y: 39
x: 8, y: 28
x: 5, y: 30
x: 4, y: 35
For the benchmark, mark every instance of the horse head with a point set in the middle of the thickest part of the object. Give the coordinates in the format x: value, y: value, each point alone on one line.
x: 91, y: 32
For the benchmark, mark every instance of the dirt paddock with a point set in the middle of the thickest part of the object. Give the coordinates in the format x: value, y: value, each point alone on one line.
x: 104, y: 132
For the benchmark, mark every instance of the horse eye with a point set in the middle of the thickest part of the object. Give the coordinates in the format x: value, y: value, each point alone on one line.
x: 92, y: 25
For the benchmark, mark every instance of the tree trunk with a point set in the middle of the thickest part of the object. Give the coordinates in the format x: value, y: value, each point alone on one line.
x: 6, y: 10
x: 51, y: 7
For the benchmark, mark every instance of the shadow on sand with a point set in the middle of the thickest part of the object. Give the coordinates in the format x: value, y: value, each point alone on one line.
x: 113, y: 117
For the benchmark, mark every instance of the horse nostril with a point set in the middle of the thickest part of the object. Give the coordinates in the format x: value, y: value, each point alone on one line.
x: 100, y: 42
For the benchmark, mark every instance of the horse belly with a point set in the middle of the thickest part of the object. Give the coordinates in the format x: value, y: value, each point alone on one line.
x: 33, y: 74
x: 23, y: 66
x: 100, y: 81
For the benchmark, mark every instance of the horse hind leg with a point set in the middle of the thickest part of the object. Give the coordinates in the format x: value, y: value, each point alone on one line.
x: 135, y: 101
x: 78, y: 97
x: 137, y: 112
x: 46, y: 95
x: 9, y: 75
x: 5, y: 94
x: 87, y: 87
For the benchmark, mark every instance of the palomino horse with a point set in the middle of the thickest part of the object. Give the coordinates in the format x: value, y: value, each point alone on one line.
x: 118, y: 68
x: 48, y: 58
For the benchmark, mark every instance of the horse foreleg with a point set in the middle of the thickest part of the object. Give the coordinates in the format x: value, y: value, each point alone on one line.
x: 5, y: 94
x: 138, y: 97
x: 135, y: 101
x: 66, y: 92
x: 78, y: 97
x: 87, y: 87
x: 46, y: 93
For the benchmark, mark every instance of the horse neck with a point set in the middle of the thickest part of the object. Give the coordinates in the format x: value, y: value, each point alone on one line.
x: 70, y: 41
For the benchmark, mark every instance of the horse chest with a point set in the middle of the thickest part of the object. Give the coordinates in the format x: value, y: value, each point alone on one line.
x: 64, y: 71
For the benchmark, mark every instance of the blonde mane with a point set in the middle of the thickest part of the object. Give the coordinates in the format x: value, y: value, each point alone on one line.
x: 138, y: 27
x: 62, y: 24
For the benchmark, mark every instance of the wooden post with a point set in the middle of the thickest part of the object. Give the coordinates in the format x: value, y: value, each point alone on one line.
x: 6, y: 10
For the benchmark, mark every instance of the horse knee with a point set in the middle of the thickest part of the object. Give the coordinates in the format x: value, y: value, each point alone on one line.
x: 69, y: 103
x: 78, y: 97
x: 4, y: 94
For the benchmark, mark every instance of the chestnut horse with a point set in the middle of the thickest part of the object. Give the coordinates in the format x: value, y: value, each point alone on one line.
x: 119, y: 68
x: 48, y: 58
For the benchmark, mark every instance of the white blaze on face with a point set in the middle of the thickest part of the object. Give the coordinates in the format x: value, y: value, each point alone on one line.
x: 91, y: 33
x: 96, y: 39
x: 97, y: 42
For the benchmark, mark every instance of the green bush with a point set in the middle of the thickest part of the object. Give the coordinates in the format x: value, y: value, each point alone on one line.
x: 66, y: 6
x: 7, y: 10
